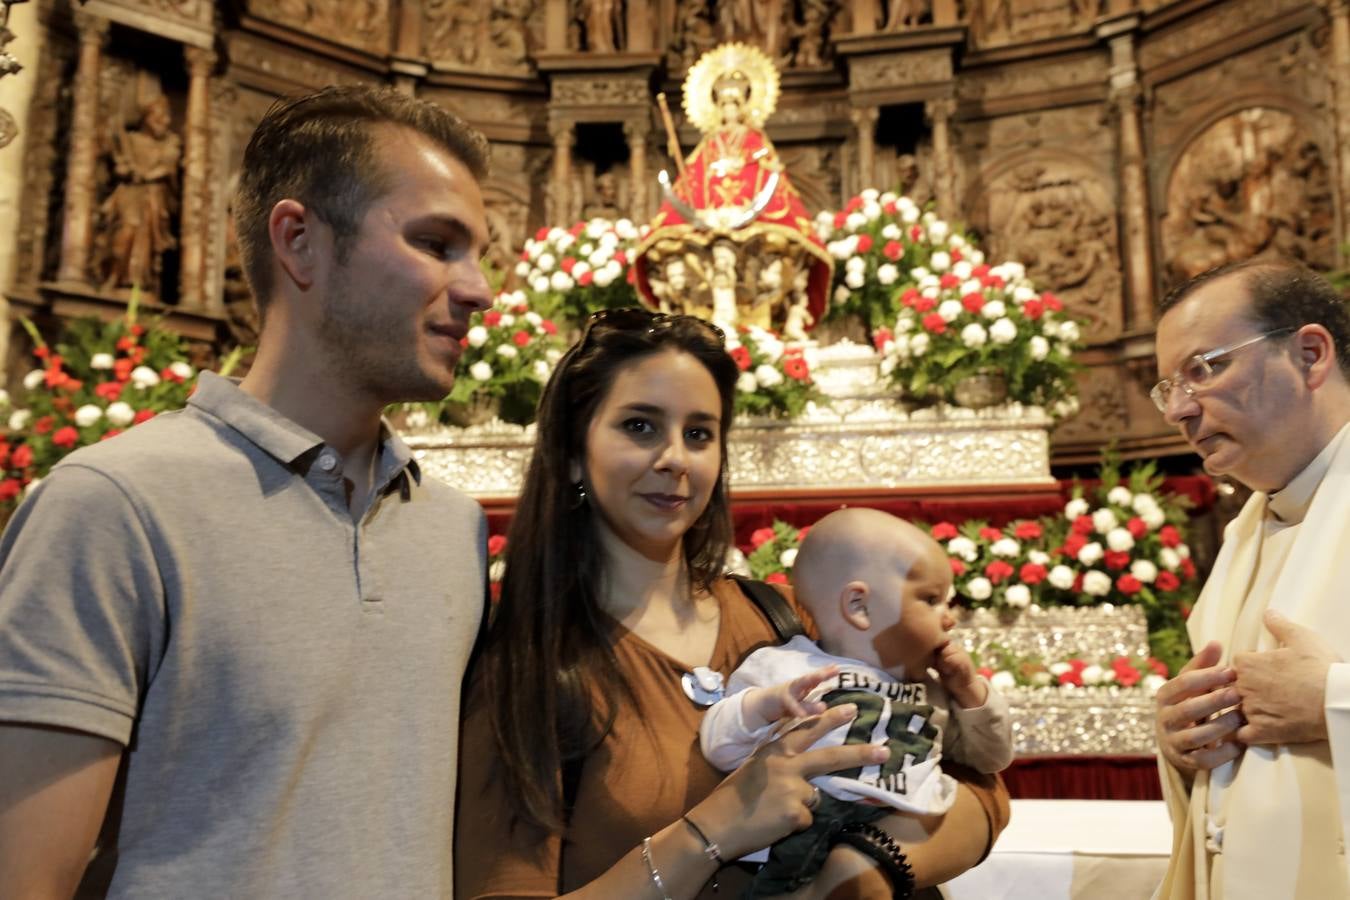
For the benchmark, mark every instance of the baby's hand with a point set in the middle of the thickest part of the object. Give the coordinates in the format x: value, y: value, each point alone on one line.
x: 766, y: 705
x: 957, y: 671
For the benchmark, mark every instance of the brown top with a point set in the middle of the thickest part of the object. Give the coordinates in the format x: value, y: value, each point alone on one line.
x: 645, y: 774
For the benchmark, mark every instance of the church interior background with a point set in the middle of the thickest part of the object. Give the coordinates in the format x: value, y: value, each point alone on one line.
x: 1110, y: 147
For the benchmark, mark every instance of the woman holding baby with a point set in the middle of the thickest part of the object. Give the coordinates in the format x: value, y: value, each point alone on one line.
x: 581, y: 773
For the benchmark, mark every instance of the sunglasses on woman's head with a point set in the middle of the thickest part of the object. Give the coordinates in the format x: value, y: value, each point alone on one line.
x: 635, y: 318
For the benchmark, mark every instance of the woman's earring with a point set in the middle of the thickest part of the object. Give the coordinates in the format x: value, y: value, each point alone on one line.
x: 580, y: 500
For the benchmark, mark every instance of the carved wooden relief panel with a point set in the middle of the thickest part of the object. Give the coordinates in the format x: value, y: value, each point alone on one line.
x: 470, y: 34
x: 363, y: 24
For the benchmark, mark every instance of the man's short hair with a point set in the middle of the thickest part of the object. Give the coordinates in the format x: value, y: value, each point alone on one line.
x: 319, y: 149
x: 1283, y: 295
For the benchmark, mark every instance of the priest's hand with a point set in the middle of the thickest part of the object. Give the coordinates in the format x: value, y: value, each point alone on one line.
x: 1283, y: 691
x: 1192, y: 735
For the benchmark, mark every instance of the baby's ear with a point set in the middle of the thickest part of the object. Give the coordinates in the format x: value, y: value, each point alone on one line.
x: 853, y: 599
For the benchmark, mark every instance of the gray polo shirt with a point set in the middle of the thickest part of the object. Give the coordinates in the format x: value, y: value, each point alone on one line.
x: 286, y: 680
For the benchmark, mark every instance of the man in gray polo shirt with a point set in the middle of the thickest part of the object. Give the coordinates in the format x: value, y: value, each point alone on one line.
x: 232, y: 639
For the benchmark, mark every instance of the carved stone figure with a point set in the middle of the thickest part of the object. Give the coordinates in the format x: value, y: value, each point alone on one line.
x: 692, y: 34
x: 812, y: 35
x: 603, y: 21
x: 1251, y: 183
x: 137, y: 213
x: 910, y: 180
x: 507, y: 31
x: 363, y: 23
x: 1004, y: 21
x: 907, y: 13
x: 471, y: 33
x: 604, y: 198
x: 756, y: 22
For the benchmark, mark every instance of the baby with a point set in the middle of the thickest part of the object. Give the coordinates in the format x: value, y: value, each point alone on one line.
x: 878, y: 589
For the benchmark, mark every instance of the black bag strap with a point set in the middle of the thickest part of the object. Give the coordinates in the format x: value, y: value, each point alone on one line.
x: 774, y: 606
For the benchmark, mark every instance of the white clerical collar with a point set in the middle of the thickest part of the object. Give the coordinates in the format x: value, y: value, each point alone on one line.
x: 1290, y: 503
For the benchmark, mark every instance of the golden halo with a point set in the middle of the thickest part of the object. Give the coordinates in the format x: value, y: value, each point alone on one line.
x: 723, y: 60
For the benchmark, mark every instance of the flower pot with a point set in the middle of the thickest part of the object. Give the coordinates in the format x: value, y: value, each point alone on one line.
x: 480, y: 408
x: 987, y: 387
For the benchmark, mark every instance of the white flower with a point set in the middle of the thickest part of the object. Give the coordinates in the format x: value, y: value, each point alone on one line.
x: 854, y: 221
x: 1018, y: 596
x: 918, y: 343
x: 788, y: 557
x: 1103, y: 520
x: 546, y: 262
x: 1038, y: 557
x: 747, y: 383
x: 553, y: 354
x: 974, y: 335
x: 625, y: 229
x: 1155, y: 518
x: 1003, y: 331
x: 891, y: 231
x: 508, y: 351
x: 1183, y: 551
x: 1002, y: 681
x: 19, y: 419
x: 768, y: 376
x: 972, y: 286
x: 1169, y: 558
x: 477, y: 336
x: 854, y: 278
x: 994, y: 309
x: 1040, y: 679
x: 919, y: 273
x: 1039, y: 347
x: 144, y: 377
x: 855, y: 264
x: 872, y: 211
x: 181, y: 370
x: 1119, y: 540
x: 561, y: 281
x: 87, y: 415
x: 1152, y: 682
x: 963, y: 547
x: 1144, y: 570
x: 585, y: 250
x: 539, y: 284
x: 909, y: 214
x: 101, y: 361
x: 33, y: 379
x: 1090, y: 554
x: 1068, y: 332
x: 1005, y: 547
x: 1097, y: 583
x: 962, y: 269
x: 1143, y: 503
x: 1075, y: 508
x: 940, y: 261
x: 1022, y: 293
x: 949, y: 310
x: 979, y: 588
x: 1059, y: 668
x: 507, y: 320
x: 937, y: 230
x: 540, y: 371
x: 480, y: 371
x: 887, y: 273
x: 870, y: 195
x: 1061, y: 576
x: 605, y: 275
x: 841, y: 294
x: 497, y: 570
x: 523, y: 268
x: 1092, y: 675
x: 1119, y: 495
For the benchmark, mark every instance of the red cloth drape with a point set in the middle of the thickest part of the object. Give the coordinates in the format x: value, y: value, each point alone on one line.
x: 1084, y: 778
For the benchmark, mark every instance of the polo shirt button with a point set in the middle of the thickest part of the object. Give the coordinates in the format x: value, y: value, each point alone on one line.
x: 327, y: 462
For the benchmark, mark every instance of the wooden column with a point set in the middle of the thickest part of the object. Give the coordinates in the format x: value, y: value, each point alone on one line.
x: 1126, y: 99
x: 78, y: 216
x: 555, y: 26
x: 865, y: 123
x: 563, y: 133
x: 194, y: 229
x: 639, y: 27
x: 865, y: 15
x: 636, y: 131
x: 1339, y: 11
x: 939, y: 112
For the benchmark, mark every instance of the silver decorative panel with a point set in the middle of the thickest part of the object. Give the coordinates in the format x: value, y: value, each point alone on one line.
x: 1089, y: 721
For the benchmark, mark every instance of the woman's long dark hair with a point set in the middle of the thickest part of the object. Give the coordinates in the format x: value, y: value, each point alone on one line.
x: 548, y: 644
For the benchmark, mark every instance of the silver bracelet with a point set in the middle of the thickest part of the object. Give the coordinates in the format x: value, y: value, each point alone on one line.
x: 652, y: 870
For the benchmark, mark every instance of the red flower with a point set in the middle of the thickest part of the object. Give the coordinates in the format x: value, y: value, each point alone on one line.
x: 1128, y: 585
x: 22, y: 457
x: 4, y: 454
x: 1052, y: 302
x: 853, y: 205
x: 1033, y: 309
x: 144, y: 415
x: 126, y: 343
x: 801, y: 533
x: 72, y: 385
x: 1185, y: 611
x: 577, y: 229
x: 1116, y: 559
x: 66, y: 437
x: 981, y: 270
x: 958, y: 567
x: 1077, y: 584
x: 991, y: 534
x: 1157, y: 666
x: 1167, y: 581
x: 864, y: 243
x: 1126, y: 674
x: 881, y: 336
x: 944, y: 531
x: 41, y: 352
x: 1136, y: 527
x: 973, y: 302
x: 761, y: 536
x: 1027, y: 531
x: 137, y: 330
x: 1188, y: 568
x: 631, y: 277
x: 991, y: 281
x: 910, y: 296
x: 43, y: 425
x: 168, y: 374
x: 1074, y: 543
x: 542, y: 233
x: 1032, y: 573
x: 795, y: 368
x: 916, y: 233
x: 520, y: 338
x: 893, y: 250
x: 1074, y: 675
x: 110, y: 434
x: 567, y: 263
x: 949, y: 280
x: 1169, y: 536
x: 934, y: 323
x: 109, y: 390
x: 956, y: 254
x: 840, y: 218
x: 741, y: 356
x: 548, y: 326
x: 1082, y: 525
x: 620, y: 257
x: 56, y: 378
x: 998, y: 571
x: 9, y: 489
x: 985, y: 672
x: 492, y: 318
x: 122, y: 369
x: 585, y: 278
x: 137, y: 355
x: 890, y: 209
x: 776, y: 578
x: 496, y: 544
x: 923, y: 304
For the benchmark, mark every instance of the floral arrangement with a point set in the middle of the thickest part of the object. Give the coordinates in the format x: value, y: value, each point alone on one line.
x: 775, y: 378
x: 99, y: 379
x: 774, y: 550
x: 998, y: 568
x: 878, y: 239
x: 1005, y: 670
x: 496, y: 548
x: 961, y: 319
x: 575, y: 271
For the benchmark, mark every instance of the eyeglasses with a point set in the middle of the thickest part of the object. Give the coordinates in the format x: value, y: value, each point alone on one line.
x: 1198, y: 369
x: 635, y: 318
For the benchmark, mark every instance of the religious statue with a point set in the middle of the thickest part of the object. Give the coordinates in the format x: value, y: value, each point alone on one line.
x: 604, y: 25
x: 137, y: 213
x: 731, y: 202
x: 902, y: 14
x: 604, y: 199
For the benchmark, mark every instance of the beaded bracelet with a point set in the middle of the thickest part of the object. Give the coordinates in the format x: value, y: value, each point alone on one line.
x: 877, y: 844
x: 652, y: 870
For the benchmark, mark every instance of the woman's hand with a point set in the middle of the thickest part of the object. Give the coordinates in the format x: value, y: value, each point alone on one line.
x: 770, y: 795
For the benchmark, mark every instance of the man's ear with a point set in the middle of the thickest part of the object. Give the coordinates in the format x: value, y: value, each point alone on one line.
x: 295, y: 235
x: 853, y: 605
x: 1316, y: 354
